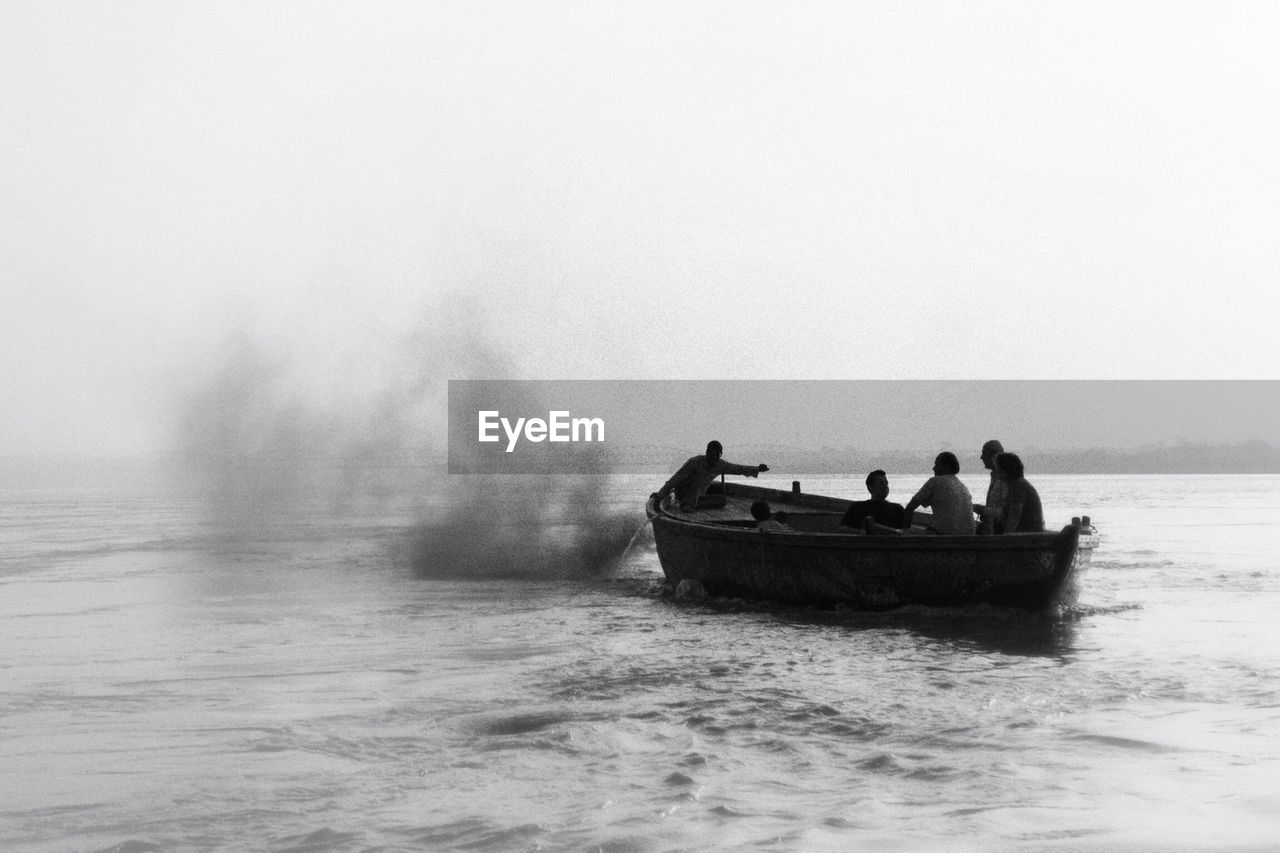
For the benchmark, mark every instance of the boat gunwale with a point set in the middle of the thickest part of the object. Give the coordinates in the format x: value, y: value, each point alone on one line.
x: 702, y: 528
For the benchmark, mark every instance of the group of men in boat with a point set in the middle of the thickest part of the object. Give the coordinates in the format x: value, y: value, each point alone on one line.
x: 1012, y: 504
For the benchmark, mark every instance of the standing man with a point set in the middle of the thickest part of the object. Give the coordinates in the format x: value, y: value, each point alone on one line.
x: 691, y: 481
x: 997, y: 491
x: 951, y: 502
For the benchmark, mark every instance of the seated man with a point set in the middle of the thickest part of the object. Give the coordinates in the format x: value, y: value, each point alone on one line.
x: 1023, y: 511
x: 690, y: 482
x: 948, y: 497
x: 991, y: 513
x: 879, y: 508
x: 764, y: 518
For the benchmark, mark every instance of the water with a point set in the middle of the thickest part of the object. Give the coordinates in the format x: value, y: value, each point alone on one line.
x: 167, y: 684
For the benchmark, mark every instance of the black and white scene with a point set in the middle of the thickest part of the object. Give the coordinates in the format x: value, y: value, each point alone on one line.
x: 639, y: 427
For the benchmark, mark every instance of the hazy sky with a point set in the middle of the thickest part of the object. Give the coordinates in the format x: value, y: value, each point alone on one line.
x: 626, y: 190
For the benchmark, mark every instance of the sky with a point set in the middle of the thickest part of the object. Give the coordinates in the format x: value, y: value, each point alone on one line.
x: 578, y: 190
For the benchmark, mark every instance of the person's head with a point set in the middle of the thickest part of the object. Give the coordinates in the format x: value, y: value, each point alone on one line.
x: 760, y: 511
x: 946, y: 463
x: 878, y: 484
x: 1010, y: 465
x: 714, y: 451
x: 990, y: 451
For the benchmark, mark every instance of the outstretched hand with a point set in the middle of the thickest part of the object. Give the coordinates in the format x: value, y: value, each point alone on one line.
x: 763, y: 468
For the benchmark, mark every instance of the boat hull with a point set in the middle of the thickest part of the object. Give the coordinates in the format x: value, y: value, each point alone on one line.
x: 1031, y: 571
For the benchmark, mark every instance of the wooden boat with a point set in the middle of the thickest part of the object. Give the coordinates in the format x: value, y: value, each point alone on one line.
x: 874, y: 569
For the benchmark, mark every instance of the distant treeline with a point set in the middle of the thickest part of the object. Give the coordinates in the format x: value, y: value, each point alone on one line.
x: 387, y: 470
x: 1251, y: 457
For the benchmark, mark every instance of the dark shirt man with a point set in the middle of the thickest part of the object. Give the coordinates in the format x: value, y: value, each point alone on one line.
x: 878, y: 507
x: 690, y: 482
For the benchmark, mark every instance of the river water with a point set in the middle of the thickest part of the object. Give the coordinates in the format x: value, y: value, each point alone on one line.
x: 170, y: 683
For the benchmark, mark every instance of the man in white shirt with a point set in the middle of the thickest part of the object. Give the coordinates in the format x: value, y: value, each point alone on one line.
x: 949, y: 499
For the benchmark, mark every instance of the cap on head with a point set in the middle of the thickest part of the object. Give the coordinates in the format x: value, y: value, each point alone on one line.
x: 714, y: 447
x: 993, y: 446
x: 760, y: 511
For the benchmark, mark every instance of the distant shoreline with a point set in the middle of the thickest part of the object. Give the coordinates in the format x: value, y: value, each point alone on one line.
x: 1252, y: 457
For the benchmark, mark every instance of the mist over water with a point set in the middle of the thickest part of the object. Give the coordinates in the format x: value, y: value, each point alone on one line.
x: 259, y: 446
x: 523, y: 527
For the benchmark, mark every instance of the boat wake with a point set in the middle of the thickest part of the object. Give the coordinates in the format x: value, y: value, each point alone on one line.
x: 1077, y: 612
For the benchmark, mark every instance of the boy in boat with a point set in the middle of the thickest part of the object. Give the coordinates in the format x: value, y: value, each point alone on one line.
x: 765, y: 519
x: 878, y: 508
x: 948, y: 497
x: 695, y: 475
